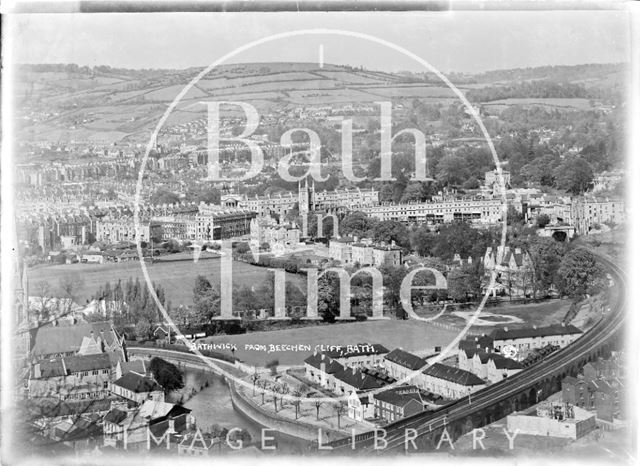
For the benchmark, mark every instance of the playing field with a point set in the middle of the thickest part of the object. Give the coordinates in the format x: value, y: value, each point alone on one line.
x: 177, y: 277
x: 541, y: 314
x: 413, y: 336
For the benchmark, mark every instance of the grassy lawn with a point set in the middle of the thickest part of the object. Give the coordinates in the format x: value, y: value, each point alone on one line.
x: 176, y: 277
x: 540, y: 314
x: 407, y: 334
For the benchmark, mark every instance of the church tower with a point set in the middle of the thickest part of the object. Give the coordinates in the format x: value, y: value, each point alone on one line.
x: 304, y: 198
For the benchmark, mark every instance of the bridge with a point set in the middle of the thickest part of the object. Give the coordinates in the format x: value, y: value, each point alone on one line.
x: 534, y: 384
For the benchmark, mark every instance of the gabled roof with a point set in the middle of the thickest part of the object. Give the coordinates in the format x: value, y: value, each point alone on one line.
x: 400, y: 396
x: 53, y: 368
x: 63, y: 339
x: 361, y: 349
x: 115, y: 416
x: 152, y: 409
x: 453, y: 374
x: 135, y: 365
x: 358, y: 379
x: 405, y: 359
x: 473, y: 343
x: 330, y: 365
x: 137, y: 383
x: 89, y: 362
x: 499, y: 360
x: 552, y: 330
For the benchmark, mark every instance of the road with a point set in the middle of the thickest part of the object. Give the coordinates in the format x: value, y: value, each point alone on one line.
x: 426, y: 422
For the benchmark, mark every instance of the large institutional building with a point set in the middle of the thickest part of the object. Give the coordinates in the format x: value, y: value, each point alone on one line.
x: 308, y: 200
x: 442, y: 211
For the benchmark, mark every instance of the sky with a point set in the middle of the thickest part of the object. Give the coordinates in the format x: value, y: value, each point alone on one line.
x: 450, y: 41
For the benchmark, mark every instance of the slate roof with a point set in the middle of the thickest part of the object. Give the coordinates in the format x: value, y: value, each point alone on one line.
x: 499, y: 360
x: 405, y: 359
x: 552, y: 330
x: 453, y: 374
x: 135, y: 365
x: 89, y: 362
x: 400, y: 396
x: 358, y: 379
x: 317, y: 360
x: 53, y: 368
x: 152, y: 409
x: 473, y: 343
x: 361, y: 349
x: 137, y: 383
x: 115, y: 416
x: 64, y: 339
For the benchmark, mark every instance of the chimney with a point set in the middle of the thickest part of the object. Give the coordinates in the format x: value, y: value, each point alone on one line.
x: 506, y: 329
x: 518, y: 251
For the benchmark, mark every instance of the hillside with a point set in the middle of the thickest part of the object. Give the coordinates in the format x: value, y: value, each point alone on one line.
x: 101, y: 104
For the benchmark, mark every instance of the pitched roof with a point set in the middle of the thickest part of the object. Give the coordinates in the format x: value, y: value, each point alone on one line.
x: 453, y: 374
x: 115, y: 416
x: 551, y: 330
x: 53, y: 368
x: 484, y: 341
x: 499, y: 360
x: 89, y: 362
x: 361, y: 349
x: 135, y: 365
x: 137, y: 383
x: 318, y: 360
x: 400, y: 396
x: 405, y: 359
x: 358, y: 379
x: 152, y: 409
x: 63, y: 339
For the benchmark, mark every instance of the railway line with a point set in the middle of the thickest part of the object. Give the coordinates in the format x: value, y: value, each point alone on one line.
x: 607, y: 327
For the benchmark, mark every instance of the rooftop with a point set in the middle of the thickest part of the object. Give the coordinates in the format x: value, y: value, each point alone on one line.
x: 453, y: 374
x: 405, y: 359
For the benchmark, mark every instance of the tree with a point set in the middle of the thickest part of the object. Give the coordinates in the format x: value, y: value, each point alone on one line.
x: 580, y: 274
x: 514, y: 216
x: 143, y: 329
x: 339, y: 408
x: 164, y: 196
x: 388, y: 230
x: 254, y: 378
x: 242, y: 248
x: 318, y: 404
x: 452, y: 170
x: 297, y: 394
x: 465, y: 282
x: 413, y: 193
x: 542, y: 220
x: 356, y: 224
x: 273, y: 366
x: 206, y: 300
x: 262, y: 385
x: 574, y: 175
x: 166, y: 374
x: 422, y: 240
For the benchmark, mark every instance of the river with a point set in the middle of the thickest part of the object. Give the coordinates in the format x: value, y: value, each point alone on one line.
x: 212, y: 405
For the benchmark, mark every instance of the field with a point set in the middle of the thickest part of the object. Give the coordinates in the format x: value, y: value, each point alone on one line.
x: 568, y: 103
x: 176, y: 277
x: 410, y: 335
x: 540, y: 314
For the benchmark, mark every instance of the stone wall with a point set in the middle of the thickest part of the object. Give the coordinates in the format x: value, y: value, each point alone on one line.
x: 298, y: 429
